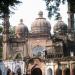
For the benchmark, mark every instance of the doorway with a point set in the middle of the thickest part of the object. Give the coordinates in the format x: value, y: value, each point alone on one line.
x: 67, y: 71
x: 36, y: 71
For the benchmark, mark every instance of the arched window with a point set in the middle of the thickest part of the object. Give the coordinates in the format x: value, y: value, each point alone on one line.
x: 67, y: 71
x: 49, y: 71
x: 37, y: 51
x: 36, y: 71
x: 58, y: 72
x: 0, y: 72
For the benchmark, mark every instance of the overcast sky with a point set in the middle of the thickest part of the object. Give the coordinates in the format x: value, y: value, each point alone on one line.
x: 29, y: 9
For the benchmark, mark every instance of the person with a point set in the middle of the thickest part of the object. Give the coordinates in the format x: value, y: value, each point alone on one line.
x: 8, y: 72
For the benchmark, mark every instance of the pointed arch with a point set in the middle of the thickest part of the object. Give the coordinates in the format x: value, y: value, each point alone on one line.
x: 49, y: 71
x: 67, y: 71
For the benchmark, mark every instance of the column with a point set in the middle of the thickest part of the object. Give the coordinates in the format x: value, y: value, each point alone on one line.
x: 6, y: 37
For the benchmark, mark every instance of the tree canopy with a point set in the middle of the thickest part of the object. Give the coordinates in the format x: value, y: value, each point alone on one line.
x: 5, y: 4
x: 53, y: 7
x: 5, y: 12
x: 1, y: 29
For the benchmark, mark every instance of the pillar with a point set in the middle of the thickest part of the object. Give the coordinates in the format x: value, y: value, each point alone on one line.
x: 6, y: 37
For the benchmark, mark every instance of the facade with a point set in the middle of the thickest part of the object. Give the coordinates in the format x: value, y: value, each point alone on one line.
x: 43, y: 53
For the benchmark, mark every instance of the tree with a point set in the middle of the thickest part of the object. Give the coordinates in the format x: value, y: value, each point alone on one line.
x: 4, y: 6
x: 12, y: 31
x: 5, y: 12
x: 1, y: 29
x: 53, y: 7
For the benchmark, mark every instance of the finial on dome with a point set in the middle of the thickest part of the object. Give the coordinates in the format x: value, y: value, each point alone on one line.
x: 21, y: 20
x: 40, y: 13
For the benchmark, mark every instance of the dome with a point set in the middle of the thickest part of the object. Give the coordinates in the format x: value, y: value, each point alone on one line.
x: 40, y: 25
x: 21, y: 30
x: 60, y: 27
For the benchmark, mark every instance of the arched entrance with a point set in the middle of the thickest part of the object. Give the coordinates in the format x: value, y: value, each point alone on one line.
x: 58, y: 72
x: 67, y: 71
x: 36, y: 71
x: 49, y: 71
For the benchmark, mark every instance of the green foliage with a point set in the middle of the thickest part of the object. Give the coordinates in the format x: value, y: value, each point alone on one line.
x: 53, y: 7
x: 1, y: 50
x: 5, y: 4
x: 18, y: 56
x: 5, y: 11
x: 12, y: 30
x: 1, y: 29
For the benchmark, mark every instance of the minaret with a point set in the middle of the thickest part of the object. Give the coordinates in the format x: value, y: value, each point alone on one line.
x: 6, y: 37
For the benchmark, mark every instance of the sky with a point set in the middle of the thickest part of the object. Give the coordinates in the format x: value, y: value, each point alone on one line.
x: 29, y: 9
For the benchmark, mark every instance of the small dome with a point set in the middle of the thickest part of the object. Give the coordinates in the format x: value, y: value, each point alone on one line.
x: 21, y: 30
x: 40, y: 25
x: 60, y: 27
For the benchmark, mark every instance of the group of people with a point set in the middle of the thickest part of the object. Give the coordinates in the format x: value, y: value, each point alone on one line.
x: 9, y: 72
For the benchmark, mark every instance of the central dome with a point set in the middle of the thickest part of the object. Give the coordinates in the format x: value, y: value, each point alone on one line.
x: 40, y: 25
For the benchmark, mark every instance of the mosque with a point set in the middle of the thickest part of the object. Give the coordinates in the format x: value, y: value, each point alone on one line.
x: 38, y: 52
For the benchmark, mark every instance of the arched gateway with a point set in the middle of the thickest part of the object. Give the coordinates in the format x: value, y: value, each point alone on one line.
x: 36, y: 71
